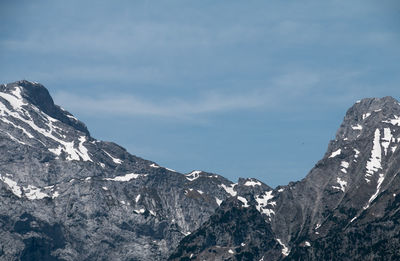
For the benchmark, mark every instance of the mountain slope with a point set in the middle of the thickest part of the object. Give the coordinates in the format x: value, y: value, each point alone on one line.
x: 234, y: 232
x: 346, y: 208
x: 68, y: 196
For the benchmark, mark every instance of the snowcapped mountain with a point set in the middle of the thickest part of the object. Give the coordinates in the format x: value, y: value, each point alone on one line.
x: 68, y: 196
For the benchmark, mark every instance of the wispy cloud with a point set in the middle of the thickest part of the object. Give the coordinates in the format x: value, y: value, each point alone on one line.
x: 292, y: 89
x: 172, y: 107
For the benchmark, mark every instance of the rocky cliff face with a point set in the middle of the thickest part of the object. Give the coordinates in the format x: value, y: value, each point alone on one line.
x: 355, y: 213
x: 68, y: 196
x: 346, y: 208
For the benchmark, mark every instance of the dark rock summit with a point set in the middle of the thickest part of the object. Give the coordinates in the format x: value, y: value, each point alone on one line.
x: 67, y: 196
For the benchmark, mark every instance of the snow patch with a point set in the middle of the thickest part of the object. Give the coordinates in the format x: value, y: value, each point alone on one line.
x: 387, y: 138
x: 15, y: 189
x: 378, y: 187
x: 140, y: 211
x: 71, y: 117
x: 32, y: 192
x: 15, y: 99
x: 55, y: 195
x: 345, y: 166
x: 126, y: 177
x: 83, y: 150
x: 335, y: 153
x: 193, y: 175
x: 252, y: 183
x: 218, y: 201
x: 229, y: 189
x: 357, y: 153
x: 115, y: 160
x: 242, y: 199
x: 68, y: 147
x: 263, y: 202
x: 154, y: 166
x: 366, y: 115
x: 374, y: 163
x: 342, y: 184
x: 285, y: 249
x: 137, y: 198
x: 395, y: 121
x: 356, y: 127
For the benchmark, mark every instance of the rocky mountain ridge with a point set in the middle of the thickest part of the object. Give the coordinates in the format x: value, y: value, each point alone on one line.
x: 352, y: 191
x: 92, y: 197
x: 68, y: 196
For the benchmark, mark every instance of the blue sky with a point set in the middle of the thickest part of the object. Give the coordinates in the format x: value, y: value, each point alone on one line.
x: 239, y: 88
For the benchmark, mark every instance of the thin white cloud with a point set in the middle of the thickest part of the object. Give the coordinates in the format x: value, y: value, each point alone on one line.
x: 121, y: 35
x: 282, y: 92
x: 169, y: 107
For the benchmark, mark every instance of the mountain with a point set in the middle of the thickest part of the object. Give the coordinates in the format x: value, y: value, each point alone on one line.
x: 67, y: 196
x: 346, y: 208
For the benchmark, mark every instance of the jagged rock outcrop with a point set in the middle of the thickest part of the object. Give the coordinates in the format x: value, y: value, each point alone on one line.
x: 346, y: 208
x: 234, y: 232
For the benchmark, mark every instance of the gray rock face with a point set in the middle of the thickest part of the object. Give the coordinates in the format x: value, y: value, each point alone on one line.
x: 347, y: 206
x: 234, y: 232
x: 359, y: 220
x: 68, y: 196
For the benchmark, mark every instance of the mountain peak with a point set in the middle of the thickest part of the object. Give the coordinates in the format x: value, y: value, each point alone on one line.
x: 37, y: 95
x: 373, y: 104
x: 366, y: 107
x: 367, y: 114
